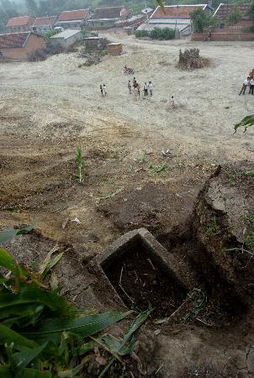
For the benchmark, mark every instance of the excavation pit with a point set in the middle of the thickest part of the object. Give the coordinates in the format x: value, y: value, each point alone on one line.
x: 136, y: 269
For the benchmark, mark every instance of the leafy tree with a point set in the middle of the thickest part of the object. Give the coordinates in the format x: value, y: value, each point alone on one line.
x: 202, y: 20
x: 251, y: 11
x: 32, y: 7
x: 234, y: 16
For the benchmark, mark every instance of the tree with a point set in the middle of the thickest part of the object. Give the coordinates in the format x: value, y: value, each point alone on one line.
x: 32, y: 7
x: 234, y: 16
x: 202, y: 20
x: 251, y: 11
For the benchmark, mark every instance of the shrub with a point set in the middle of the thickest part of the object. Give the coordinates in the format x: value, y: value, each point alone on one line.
x: 234, y: 16
x: 156, y: 33
x: 162, y: 34
x: 142, y: 33
x: 202, y: 20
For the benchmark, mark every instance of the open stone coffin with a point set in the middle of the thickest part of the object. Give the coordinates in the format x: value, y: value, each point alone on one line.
x: 134, y: 273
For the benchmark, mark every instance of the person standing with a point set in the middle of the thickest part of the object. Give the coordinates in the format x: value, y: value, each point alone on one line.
x: 150, y: 88
x: 246, y: 82
x: 129, y: 86
x: 145, y: 90
x: 251, y: 91
x: 104, y: 90
x: 101, y: 89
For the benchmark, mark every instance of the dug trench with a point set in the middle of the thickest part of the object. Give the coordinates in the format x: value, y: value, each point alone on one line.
x: 198, y: 278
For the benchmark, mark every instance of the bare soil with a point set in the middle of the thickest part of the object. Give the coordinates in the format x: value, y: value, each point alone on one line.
x: 145, y: 164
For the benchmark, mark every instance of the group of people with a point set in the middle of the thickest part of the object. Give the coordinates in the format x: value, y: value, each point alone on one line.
x: 135, y: 88
x: 103, y: 90
x: 248, y: 83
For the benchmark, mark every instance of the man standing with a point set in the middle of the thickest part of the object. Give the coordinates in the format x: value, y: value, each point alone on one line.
x: 150, y: 88
x: 251, y: 91
x: 244, y: 86
x: 104, y: 90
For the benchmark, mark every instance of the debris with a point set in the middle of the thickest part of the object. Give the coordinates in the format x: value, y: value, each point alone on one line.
x: 75, y: 220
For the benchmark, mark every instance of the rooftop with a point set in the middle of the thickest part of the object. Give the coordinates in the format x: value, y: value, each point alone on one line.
x: 223, y: 10
x: 65, y: 34
x: 13, y: 40
x: 78, y: 14
x: 107, y: 13
x: 176, y: 11
x: 19, y: 21
x: 39, y: 21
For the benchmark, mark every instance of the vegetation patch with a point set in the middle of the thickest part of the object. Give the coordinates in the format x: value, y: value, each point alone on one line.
x: 190, y: 59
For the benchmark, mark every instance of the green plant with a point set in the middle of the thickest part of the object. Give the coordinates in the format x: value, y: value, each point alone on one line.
x: 251, y: 11
x: 212, y: 226
x: 80, y: 164
x: 245, y: 122
x: 162, y: 33
x: 42, y: 335
x: 50, y: 34
x: 159, y: 168
x: 202, y: 20
x: 234, y: 16
x: 249, y: 172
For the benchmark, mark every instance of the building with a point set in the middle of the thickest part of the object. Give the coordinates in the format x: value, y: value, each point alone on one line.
x: 66, y: 39
x: 43, y: 25
x: 175, y: 17
x: 20, y: 46
x: 19, y: 24
x: 239, y: 31
x: 104, y: 18
x: 74, y: 19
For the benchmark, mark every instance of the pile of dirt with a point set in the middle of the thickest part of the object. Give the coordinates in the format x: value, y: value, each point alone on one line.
x: 191, y: 60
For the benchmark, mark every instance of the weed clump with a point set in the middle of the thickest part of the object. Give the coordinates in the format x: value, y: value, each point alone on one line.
x: 190, y: 59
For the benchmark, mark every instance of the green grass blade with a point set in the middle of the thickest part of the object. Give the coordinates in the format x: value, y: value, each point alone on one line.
x: 9, y: 336
x: 24, y: 358
x: 34, y: 373
x: 6, y: 260
x: 5, y: 372
x: 140, y: 319
x: 84, y: 326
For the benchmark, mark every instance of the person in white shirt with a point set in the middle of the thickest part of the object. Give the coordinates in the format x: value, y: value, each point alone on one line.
x: 150, y: 88
x: 244, y: 86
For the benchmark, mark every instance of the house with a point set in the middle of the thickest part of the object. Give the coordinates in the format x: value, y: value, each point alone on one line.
x: 19, y: 24
x: 43, y: 25
x: 104, y: 18
x: 175, y: 17
x: 20, y: 46
x: 226, y: 31
x: 66, y: 39
x: 74, y: 19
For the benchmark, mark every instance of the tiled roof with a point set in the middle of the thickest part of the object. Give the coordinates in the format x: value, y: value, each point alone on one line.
x: 79, y: 14
x: 176, y: 11
x: 13, y: 40
x: 223, y: 10
x: 19, y: 21
x: 65, y: 34
x: 39, y: 21
x: 102, y: 13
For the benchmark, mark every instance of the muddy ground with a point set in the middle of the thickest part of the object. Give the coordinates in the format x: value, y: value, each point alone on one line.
x: 145, y: 164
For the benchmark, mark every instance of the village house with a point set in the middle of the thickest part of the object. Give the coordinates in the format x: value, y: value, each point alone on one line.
x: 104, y: 18
x: 226, y: 30
x: 19, y: 24
x: 43, y: 25
x: 66, y: 39
x: 74, y: 19
x: 20, y: 46
x: 175, y: 17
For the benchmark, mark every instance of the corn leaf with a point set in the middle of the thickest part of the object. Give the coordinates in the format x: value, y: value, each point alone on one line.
x: 23, y: 359
x: 245, y: 122
x: 49, y: 262
x: 5, y: 372
x: 6, y: 260
x: 84, y: 326
x: 9, y: 336
x: 34, y: 373
x: 74, y: 371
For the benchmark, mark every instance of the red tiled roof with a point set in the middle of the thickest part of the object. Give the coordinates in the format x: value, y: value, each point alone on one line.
x: 39, y: 21
x: 20, y: 21
x: 174, y: 11
x: 111, y: 12
x: 223, y: 10
x: 79, y: 14
x: 13, y: 40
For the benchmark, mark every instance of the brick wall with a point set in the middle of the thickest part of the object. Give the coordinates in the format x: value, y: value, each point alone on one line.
x: 223, y: 36
x: 34, y: 43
